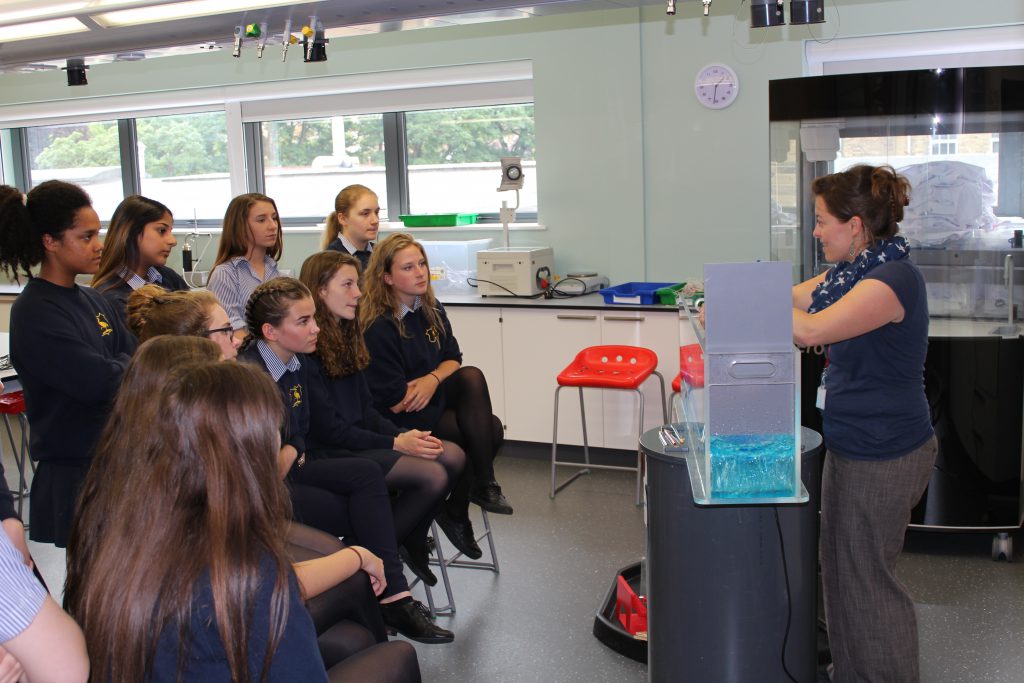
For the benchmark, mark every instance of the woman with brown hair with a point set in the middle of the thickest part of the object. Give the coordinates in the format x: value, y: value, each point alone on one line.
x: 177, y: 568
x: 871, y: 310
x: 139, y: 239
x: 417, y: 377
x: 251, y: 243
x: 421, y: 467
x: 153, y: 311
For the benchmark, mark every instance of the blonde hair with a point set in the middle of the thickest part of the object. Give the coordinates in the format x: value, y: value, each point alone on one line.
x: 153, y: 311
x: 342, y: 205
x: 340, y: 346
x: 379, y: 297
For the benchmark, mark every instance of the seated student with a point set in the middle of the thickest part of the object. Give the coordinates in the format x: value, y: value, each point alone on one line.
x: 250, y: 246
x: 195, y: 313
x: 139, y: 240
x: 416, y: 375
x: 344, y: 496
x: 67, y: 342
x: 177, y: 568
x: 352, y: 227
x: 422, y: 466
x: 38, y: 641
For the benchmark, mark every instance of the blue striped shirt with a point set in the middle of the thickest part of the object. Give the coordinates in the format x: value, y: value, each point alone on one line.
x: 153, y: 276
x: 21, y: 595
x: 274, y: 365
x: 233, y: 283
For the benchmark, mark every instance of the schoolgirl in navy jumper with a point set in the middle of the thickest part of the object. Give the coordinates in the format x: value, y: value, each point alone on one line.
x: 251, y: 243
x: 195, y: 313
x: 344, y: 496
x: 67, y: 342
x: 416, y: 376
x: 178, y: 568
x: 139, y: 240
x: 421, y: 467
x: 352, y: 227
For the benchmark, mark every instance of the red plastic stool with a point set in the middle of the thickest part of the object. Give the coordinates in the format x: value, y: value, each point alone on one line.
x: 13, y: 403
x: 605, y: 367
x: 691, y: 364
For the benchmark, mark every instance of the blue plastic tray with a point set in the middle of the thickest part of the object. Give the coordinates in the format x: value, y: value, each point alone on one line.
x: 633, y: 292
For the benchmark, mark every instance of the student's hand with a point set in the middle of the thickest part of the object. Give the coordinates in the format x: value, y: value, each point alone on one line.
x: 374, y: 568
x: 418, y: 444
x: 15, y: 531
x: 419, y: 392
x: 10, y: 668
x: 285, y: 458
x: 700, y: 317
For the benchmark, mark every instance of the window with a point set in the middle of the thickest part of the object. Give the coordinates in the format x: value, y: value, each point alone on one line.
x: 454, y: 158
x: 183, y: 162
x: 943, y: 145
x: 87, y: 154
x: 306, y: 162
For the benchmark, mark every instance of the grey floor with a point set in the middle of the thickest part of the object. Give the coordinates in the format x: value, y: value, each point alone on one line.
x: 532, y: 622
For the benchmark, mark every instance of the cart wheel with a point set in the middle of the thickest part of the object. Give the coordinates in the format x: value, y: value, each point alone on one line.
x: 1002, y: 547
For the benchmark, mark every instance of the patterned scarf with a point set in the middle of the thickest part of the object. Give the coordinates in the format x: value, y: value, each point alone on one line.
x: 844, y: 275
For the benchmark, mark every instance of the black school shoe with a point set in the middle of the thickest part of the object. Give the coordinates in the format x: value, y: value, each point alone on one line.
x: 412, y: 619
x: 417, y: 558
x: 490, y: 498
x: 460, y: 533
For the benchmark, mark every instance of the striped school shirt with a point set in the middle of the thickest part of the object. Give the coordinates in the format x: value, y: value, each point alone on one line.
x: 233, y: 283
x: 21, y: 595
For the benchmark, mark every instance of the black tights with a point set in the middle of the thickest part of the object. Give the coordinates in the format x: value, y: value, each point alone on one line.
x: 469, y: 421
x: 422, y: 485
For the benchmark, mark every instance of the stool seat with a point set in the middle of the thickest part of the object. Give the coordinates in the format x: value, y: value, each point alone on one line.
x: 691, y: 360
x: 609, y: 367
x: 12, y: 403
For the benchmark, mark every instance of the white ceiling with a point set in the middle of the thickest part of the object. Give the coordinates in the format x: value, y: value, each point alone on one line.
x: 340, y: 17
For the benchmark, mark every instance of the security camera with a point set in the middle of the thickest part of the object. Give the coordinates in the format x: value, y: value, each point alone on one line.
x: 511, y: 174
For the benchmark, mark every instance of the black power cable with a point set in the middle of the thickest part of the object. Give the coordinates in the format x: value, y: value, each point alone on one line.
x: 789, y: 597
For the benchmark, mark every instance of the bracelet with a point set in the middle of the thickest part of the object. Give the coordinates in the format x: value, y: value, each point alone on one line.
x: 358, y: 554
x: 435, y: 377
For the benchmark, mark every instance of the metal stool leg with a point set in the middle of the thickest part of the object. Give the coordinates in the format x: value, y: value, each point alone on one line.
x: 583, y: 468
x: 442, y: 565
x: 456, y: 561
x: 639, y: 452
x: 20, y: 455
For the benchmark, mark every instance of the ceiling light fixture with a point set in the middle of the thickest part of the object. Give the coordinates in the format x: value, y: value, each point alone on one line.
x: 76, y: 72
x: 41, y: 29
x: 181, y: 10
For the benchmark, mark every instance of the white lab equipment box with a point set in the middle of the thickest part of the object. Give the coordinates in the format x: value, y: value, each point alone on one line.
x: 452, y: 262
x: 514, y: 271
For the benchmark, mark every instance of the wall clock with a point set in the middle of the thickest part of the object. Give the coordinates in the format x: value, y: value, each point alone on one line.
x: 716, y: 86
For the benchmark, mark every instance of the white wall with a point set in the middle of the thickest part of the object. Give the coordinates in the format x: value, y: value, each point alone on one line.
x: 638, y: 180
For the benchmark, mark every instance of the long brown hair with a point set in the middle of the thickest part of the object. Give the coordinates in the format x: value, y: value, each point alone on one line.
x: 379, y: 298
x: 340, y: 345
x: 121, y: 245
x: 234, y: 234
x: 185, y: 484
x: 270, y: 303
x: 877, y: 194
x: 153, y: 311
x: 342, y: 205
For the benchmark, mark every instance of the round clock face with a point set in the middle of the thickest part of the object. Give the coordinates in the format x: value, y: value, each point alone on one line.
x: 716, y: 86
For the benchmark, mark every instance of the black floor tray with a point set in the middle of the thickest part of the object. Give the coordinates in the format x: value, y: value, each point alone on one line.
x: 607, y: 627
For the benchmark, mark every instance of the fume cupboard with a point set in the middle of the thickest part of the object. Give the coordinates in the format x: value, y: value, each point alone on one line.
x: 958, y: 136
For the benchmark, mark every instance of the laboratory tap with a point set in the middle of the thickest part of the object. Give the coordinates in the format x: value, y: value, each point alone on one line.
x: 707, y: 7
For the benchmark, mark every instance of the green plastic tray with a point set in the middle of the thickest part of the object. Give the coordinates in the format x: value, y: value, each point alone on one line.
x: 437, y: 220
x: 667, y: 295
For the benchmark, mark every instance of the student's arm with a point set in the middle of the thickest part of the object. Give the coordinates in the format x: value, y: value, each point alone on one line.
x: 329, y: 426
x: 317, y: 575
x: 422, y: 389
x: 15, y: 531
x: 868, y: 306
x: 52, y: 648
x: 49, y: 345
x: 386, y: 372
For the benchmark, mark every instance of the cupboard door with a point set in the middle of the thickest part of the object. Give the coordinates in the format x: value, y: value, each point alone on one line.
x: 538, y: 344
x: 478, y: 330
x: 654, y: 330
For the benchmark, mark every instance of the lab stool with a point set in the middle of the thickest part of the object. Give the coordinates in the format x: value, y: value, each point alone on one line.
x: 443, y: 563
x: 605, y: 367
x: 691, y: 364
x: 13, y: 403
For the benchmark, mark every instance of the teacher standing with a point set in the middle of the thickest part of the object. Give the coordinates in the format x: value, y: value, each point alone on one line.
x: 871, y: 311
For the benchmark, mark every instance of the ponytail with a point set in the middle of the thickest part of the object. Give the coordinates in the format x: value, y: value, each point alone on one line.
x: 331, y: 230
x: 50, y: 208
